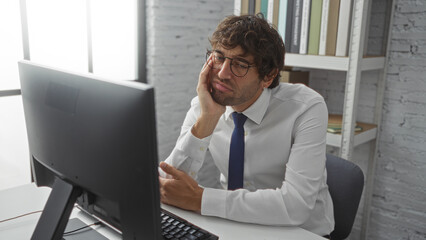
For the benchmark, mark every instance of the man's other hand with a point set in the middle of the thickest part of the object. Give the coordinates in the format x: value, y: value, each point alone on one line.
x: 181, y: 190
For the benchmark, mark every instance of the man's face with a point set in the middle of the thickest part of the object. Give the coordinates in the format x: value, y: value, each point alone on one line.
x: 230, y: 90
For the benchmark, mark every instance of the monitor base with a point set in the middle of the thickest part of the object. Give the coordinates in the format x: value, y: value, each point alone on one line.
x: 57, y: 211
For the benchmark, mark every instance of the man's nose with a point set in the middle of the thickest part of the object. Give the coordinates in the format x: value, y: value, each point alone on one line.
x: 225, y: 70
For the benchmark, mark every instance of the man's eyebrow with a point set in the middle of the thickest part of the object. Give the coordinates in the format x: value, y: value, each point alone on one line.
x: 218, y: 51
x: 239, y: 57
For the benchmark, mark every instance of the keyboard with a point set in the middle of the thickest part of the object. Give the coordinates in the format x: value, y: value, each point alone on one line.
x: 174, y: 227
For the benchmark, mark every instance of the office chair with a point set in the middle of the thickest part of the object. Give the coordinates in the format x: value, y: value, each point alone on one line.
x: 345, y: 182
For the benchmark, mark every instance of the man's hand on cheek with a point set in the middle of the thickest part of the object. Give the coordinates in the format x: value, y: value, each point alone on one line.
x: 181, y: 190
x: 210, y: 110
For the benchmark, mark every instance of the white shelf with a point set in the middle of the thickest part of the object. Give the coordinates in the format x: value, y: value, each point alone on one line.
x: 368, y: 132
x: 335, y: 140
x: 373, y: 63
x: 331, y: 63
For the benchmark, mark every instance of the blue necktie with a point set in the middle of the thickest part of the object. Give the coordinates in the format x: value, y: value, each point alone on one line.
x: 236, y: 153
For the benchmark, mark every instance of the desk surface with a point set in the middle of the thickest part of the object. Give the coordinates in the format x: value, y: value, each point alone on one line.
x: 28, y: 198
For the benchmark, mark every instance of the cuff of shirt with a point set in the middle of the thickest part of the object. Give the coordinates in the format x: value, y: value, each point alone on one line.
x: 189, y: 154
x: 213, y: 202
x: 196, y: 147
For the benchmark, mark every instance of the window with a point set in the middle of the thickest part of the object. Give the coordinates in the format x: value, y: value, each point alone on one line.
x: 57, y: 33
x: 68, y: 34
x: 14, y: 163
x: 10, y: 44
x: 114, y: 26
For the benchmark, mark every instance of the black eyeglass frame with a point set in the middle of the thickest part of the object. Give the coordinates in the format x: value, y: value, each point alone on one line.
x: 232, y: 59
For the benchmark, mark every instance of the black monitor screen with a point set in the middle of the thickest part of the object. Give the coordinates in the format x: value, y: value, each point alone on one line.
x: 93, y: 142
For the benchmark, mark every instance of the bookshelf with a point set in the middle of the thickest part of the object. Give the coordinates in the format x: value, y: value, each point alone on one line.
x: 353, y: 64
x: 331, y: 62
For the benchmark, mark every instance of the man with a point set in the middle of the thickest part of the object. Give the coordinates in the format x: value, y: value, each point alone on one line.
x: 282, y: 176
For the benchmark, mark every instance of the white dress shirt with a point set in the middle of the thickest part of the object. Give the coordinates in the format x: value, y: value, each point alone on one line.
x: 284, y: 166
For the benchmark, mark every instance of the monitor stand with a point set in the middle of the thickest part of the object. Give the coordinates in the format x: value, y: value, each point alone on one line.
x: 57, y: 210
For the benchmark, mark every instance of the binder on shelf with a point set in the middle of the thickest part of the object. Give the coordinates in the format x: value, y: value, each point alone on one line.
x: 295, y: 29
x: 304, y: 26
x: 324, y: 25
x: 315, y: 27
x: 333, y: 19
x: 343, y: 27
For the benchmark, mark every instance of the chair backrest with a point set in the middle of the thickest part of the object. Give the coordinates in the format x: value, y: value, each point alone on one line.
x: 345, y: 182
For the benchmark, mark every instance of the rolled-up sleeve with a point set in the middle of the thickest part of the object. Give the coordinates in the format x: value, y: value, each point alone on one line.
x: 189, y: 152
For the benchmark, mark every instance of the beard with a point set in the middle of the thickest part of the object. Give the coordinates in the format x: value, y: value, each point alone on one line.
x: 224, y: 99
x: 237, y: 96
x: 221, y: 99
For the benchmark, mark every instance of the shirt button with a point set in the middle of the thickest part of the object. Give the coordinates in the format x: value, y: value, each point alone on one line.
x: 245, y: 133
x: 202, y: 149
x: 193, y: 174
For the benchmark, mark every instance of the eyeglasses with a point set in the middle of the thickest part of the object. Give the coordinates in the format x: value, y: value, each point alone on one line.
x: 239, y: 67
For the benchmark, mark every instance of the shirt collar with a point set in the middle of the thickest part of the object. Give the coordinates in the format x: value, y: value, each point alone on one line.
x: 257, y: 110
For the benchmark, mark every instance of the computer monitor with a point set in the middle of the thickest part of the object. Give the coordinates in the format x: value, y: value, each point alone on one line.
x: 93, y: 141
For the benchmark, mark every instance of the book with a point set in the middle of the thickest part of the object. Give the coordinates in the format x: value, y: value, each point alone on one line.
x: 237, y: 8
x: 273, y: 10
x: 295, y: 27
x: 333, y: 18
x: 257, y: 6
x: 241, y: 7
x: 282, y: 19
x: 289, y: 23
x: 343, y: 28
x: 264, y: 8
x: 339, y: 129
x: 252, y: 7
x: 315, y: 27
x: 335, y: 124
x: 304, y: 26
x: 323, y: 30
x: 276, y: 13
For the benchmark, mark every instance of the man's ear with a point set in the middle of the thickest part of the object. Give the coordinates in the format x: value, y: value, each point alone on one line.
x: 269, y: 78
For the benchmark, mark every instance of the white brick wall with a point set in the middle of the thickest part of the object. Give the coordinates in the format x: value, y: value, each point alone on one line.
x: 178, y: 37
x: 178, y: 34
x: 399, y: 206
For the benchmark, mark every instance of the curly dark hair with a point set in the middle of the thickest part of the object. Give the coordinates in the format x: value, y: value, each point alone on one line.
x: 257, y: 38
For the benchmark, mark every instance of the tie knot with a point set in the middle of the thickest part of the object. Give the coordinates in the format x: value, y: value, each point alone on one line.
x: 239, y: 119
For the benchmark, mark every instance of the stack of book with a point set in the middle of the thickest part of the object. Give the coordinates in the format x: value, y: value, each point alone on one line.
x: 316, y: 27
x: 335, y: 124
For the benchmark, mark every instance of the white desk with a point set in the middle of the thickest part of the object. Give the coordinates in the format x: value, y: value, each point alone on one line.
x: 29, y: 198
